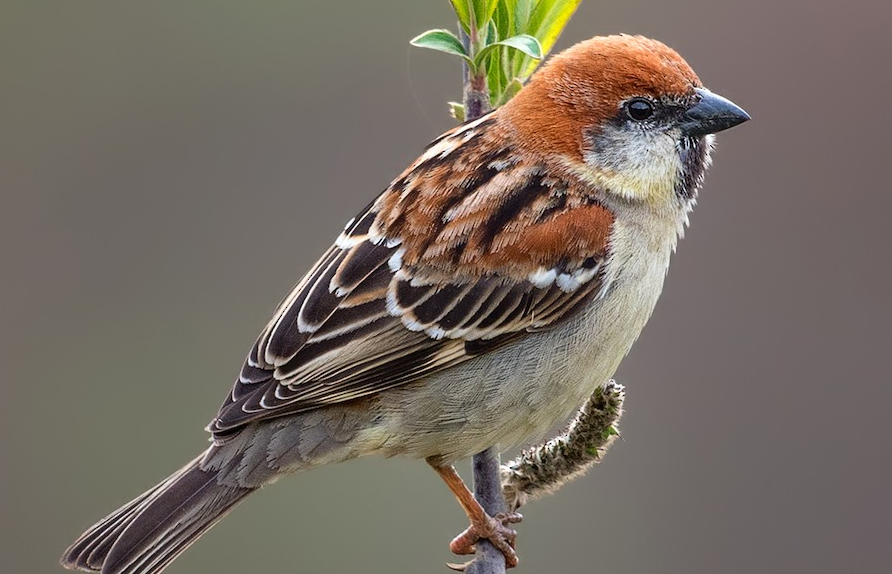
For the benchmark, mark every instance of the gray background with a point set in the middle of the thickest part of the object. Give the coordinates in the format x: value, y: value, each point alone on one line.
x: 169, y: 169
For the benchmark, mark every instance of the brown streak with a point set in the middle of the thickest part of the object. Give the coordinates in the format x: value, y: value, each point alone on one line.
x: 572, y: 235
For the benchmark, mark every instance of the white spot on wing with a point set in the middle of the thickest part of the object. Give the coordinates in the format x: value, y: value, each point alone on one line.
x: 466, y: 137
x: 435, y: 332
x: 345, y: 241
x: 542, y: 278
x: 392, y: 306
x: 396, y: 260
x: 412, y: 324
x: 440, y: 149
x: 569, y: 282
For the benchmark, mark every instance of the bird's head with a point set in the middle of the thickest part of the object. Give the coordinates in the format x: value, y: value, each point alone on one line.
x: 625, y: 113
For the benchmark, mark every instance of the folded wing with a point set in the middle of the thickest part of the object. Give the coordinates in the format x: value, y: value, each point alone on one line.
x: 466, y: 251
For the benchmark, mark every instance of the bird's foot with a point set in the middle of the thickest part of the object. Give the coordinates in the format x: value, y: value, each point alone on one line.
x: 492, y: 528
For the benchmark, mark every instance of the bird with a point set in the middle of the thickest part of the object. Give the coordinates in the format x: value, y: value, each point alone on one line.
x: 478, y: 301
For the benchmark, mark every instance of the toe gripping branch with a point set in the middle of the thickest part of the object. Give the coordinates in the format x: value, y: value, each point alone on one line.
x: 537, y: 471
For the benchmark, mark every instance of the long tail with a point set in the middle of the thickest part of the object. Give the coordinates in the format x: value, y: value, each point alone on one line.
x: 145, y: 535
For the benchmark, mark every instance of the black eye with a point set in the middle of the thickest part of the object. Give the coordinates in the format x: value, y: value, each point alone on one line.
x: 640, y: 109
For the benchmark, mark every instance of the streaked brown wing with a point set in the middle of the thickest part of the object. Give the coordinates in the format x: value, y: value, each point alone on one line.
x: 387, y: 304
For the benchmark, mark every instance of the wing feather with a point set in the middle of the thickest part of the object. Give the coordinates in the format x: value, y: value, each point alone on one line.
x: 426, y: 278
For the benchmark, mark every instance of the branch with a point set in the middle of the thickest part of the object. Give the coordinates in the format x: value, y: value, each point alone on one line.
x: 545, y: 468
x: 487, y: 483
x: 488, y: 492
x: 475, y: 92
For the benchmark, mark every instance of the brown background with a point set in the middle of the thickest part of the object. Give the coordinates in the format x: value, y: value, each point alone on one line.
x: 169, y: 169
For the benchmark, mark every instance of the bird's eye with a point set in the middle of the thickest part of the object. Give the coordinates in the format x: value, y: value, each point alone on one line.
x: 640, y: 109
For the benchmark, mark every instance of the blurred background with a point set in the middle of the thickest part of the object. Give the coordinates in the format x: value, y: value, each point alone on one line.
x: 169, y: 169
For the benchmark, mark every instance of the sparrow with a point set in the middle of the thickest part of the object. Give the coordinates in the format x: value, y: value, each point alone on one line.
x: 478, y: 301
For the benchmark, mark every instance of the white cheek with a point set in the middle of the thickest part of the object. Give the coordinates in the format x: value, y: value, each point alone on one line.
x: 636, y: 164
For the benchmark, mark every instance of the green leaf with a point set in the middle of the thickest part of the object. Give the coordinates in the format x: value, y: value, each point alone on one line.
x: 464, y: 15
x: 492, y: 34
x: 483, y: 10
x: 540, y: 11
x: 509, y: 92
x: 524, y: 43
x: 548, y: 19
x: 527, y: 44
x: 545, y: 20
x: 522, y: 11
x: 495, y: 81
x: 457, y: 111
x: 495, y: 73
x: 504, y: 18
x: 529, y: 28
x: 442, y: 41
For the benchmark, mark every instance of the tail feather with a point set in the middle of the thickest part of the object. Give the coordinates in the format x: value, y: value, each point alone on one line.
x: 145, y: 535
x: 89, y: 551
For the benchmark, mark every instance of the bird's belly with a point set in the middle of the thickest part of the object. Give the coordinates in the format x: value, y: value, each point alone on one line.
x: 521, y: 391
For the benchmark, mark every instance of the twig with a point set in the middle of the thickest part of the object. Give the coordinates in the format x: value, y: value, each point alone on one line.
x: 545, y: 468
x: 487, y: 482
x: 475, y: 92
x: 488, y: 492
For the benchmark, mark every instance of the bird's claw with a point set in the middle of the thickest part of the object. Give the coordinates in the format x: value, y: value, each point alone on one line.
x: 496, y: 530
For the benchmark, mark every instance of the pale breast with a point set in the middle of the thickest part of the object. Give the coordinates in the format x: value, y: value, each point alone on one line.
x: 519, y: 392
